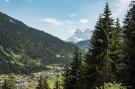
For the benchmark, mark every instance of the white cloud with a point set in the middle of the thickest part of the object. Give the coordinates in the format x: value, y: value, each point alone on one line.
x: 121, y: 7
x: 72, y: 29
x: 62, y: 28
x: 84, y: 21
x: 52, y: 21
x: 73, y: 15
x: 57, y: 22
x: 7, y: 0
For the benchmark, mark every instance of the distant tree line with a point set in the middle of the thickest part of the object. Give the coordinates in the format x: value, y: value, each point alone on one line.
x: 43, y: 84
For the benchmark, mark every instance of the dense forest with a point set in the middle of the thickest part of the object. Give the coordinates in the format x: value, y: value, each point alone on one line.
x: 24, y: 49
x: 110, y: 60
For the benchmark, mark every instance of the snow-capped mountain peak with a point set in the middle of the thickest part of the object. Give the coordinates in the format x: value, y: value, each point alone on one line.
x: 80, y: 35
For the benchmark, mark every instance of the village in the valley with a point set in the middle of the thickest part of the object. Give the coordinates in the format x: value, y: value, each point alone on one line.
x: 30, y: 82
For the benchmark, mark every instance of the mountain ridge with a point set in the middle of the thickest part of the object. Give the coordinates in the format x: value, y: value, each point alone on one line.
x: 83, y: 45
x: 30, y: 47
x: 80, y: 35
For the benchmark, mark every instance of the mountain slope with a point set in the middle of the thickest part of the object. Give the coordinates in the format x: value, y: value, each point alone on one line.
x: 27, y: 48
x: 83, y: 45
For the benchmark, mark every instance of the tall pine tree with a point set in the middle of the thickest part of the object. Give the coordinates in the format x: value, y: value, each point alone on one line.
x: 118, y: 54
x: 73, y: 73
x: 129, y: 31
x: 100, y: 66
x: 66, y: 80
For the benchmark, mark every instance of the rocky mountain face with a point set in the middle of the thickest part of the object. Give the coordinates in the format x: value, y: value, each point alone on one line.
x: 80, y: 35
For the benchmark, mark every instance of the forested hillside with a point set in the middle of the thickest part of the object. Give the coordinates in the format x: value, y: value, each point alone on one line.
x: 27, y: 49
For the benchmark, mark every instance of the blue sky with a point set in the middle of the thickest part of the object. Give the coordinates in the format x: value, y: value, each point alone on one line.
x: 61, y: 18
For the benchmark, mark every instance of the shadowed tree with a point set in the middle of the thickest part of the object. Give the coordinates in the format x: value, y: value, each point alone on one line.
x: 129, y: 31
x: 73, y: 72
x: 42, y: 83
x: 8, y: 84
x: 99, y: 59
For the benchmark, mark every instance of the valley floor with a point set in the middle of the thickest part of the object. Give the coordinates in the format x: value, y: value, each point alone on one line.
x: 30, y: 82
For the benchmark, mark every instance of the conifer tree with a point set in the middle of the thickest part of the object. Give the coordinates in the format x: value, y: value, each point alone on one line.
x: 45, y: 84
x: 57, y: 84
x: 129, y: 31
x: 118, y: 53
x: 42, y: 83
x: 66, y: 83
x: 73, y: 73
x: 99, y: 61
x: 5, y: 85
x: 39, y: 86
x: 92, y: 59
x: 8, y: 84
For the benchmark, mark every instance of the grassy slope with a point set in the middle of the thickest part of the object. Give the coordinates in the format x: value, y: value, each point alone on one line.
x: 51, y: 83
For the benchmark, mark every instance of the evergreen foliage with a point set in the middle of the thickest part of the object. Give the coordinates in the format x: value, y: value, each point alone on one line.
x: 66, y: 79
x: 100, y: 64
x: 5, y: 85
x: 73, y: 72
x: 57, y: 84
x: 42, y: 83
x: 25, y: 50
x: 112, y: 86
x: 119, y: 53
x: 8, y: 84
x: 129, y: 31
